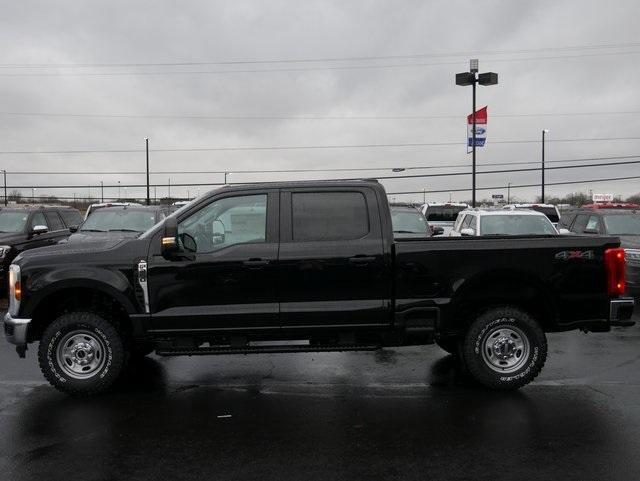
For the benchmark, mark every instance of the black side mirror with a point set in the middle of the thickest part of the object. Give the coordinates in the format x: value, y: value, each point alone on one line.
x: 170, y: 237
x: 73, y: 228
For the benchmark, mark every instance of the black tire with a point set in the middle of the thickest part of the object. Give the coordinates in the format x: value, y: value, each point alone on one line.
x: 492, y: 343
x: 99, y: 342
x: 450, y: 345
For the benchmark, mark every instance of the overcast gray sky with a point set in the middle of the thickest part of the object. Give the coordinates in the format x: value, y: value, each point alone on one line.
x: 104, y: 66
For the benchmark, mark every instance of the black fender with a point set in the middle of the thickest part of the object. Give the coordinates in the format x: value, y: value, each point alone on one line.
x: 40, y: 286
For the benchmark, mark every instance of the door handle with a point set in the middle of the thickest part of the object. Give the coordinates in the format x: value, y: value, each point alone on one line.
x: 256, y: 263
x: 361, y: 260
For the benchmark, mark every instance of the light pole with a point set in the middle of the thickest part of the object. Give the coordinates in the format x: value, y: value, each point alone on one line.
x: 146, y: 143
x: 33, y: 195
x: 472, y: 77
x: 225, y: 177
x: 509, y: 193
x: 119, y: 190
x: 544, y: 133
x: 4, y: 174
x: 125, y: 193
x: 169, y: 194
x: 102, y: 191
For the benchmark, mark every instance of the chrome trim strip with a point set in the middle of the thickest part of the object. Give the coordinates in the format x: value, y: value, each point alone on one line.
x: 142, y: 280
x: 20, y: 327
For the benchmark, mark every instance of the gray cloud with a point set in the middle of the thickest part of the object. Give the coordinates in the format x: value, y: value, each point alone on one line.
x: 68, y: 32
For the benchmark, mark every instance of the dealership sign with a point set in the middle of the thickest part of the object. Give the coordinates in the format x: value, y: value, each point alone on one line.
x: 481, y: 128
x: 602, y: 197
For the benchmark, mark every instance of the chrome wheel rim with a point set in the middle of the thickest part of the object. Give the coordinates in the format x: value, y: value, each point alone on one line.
x: 505, y: 349
x: 81, y: 354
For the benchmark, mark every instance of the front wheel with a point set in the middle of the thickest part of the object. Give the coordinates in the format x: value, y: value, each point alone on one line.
x: 81, y: 353
x: 504, y: 348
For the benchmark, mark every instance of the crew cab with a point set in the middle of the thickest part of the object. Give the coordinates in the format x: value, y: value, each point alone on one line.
x: 249, y: 268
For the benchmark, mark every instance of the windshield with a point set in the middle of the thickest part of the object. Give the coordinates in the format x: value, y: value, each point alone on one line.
x: 105, y: 220
x: 550, y: 212
x: 622, y: 224
x: 443, y: 213
x: 13, y: 221
x: 516, y: 225
x: 409, y: 221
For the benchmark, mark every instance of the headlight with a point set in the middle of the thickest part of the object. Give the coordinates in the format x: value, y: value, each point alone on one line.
x: 15, y: 289
x: 4, y: 250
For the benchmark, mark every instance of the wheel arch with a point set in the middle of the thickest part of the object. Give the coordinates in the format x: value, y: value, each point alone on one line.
x: 512, y: 287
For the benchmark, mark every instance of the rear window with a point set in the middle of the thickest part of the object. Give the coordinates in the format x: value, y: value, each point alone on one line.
x: 327, y: 216
x: 71, y: 217
x: 515, y: 225
x: 443, y: 213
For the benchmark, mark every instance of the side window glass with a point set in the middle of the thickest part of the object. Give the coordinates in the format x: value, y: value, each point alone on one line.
x: 459, y: 221
x: 580, y: 224
x: 55, y: 223
x: 593, y: 223
x: 325, y: 216
x: 38, y: 219
x: 225, y: 222
x: 467, y: 221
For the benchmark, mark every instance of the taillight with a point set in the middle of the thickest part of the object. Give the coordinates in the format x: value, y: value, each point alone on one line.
x: 614, y: 265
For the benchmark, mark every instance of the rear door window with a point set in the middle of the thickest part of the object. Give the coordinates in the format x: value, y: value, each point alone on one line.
x: 38, y: 219
x: 580, y: 224
x: 326, y: 216
x: 54, y: 220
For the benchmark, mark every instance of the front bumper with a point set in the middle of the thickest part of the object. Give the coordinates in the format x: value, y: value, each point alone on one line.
x: 15, y: 330
x: 621, y: 311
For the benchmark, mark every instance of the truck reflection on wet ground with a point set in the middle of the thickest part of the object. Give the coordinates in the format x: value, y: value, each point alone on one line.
x: 395, y: 414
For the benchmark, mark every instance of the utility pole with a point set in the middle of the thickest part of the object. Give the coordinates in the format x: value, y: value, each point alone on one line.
x: 472, y: 78
x: 544, y: 132
x: 509, y: 193
x: 169, y: 188
x: 102, y: 191
x: 119, y: 190
x: 146, y: 143
x: 4, y: 174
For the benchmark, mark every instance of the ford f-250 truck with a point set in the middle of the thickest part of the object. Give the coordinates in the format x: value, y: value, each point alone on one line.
x: 247, y: 269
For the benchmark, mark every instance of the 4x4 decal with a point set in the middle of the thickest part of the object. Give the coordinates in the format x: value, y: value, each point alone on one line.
x: 567, y: 255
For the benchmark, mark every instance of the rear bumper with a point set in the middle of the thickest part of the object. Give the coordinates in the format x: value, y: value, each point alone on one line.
x: 15, y: 330
x: 621, y: 311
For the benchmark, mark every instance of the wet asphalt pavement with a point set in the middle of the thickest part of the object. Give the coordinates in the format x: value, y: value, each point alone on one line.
x: 395, y: 414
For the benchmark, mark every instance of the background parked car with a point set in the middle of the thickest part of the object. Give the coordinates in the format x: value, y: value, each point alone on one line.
x: 622, y: 222
x: 101, y: 205
x: 477, y: 222
x: 442, y: 214
x: 118, y: 222
x: 26, y: 227
x: 550, y: 210
x: 409, y: 222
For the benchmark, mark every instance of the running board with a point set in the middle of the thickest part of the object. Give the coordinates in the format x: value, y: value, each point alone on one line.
x: 259, y: 349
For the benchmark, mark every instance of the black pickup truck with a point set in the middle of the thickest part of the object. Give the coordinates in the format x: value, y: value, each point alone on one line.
x: 248, y: 269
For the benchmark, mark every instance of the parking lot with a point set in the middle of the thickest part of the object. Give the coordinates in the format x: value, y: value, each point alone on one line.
x: 394, y: 414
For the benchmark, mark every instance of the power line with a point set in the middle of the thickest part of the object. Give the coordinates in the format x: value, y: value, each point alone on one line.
x: 412, y: 176
x: 328, y: 169
x: 298, y: 147
x: 326, y: 59
x: 307, y: 117
x: 297, y: 69
x: 515, y: 186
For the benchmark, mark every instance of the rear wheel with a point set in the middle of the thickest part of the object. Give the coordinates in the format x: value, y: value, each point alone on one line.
x: 505, y: 348
x: 81, y: 353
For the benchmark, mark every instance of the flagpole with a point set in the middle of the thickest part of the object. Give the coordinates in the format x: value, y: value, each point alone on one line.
x: 473, y: 144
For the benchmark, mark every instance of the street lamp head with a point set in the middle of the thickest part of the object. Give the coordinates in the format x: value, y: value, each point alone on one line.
x: 488, y: 78
x: 465, y: 78
x: 473, y: 65
x: 546, y: 131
